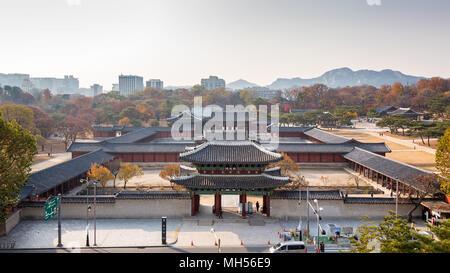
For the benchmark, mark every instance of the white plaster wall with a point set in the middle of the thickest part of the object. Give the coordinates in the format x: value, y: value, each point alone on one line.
x: 10, y: 223
x: 146, y: 208
x: 282, y: 208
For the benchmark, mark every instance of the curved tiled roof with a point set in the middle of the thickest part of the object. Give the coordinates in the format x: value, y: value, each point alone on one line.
x: 324, y: 136
x: 246, y: 182
x: 230, y: 152
x: 51, y: 177
x: 388, y: 167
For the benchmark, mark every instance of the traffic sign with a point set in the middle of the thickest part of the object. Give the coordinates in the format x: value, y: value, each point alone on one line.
x: 50, y: 209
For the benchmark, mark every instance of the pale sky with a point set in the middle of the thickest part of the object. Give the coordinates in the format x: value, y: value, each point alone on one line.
x: 182, y: 41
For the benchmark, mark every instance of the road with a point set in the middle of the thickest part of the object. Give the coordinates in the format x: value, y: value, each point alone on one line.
x: 157, y: 249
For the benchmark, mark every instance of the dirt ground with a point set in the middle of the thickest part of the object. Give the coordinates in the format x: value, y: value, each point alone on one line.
x: 329, y: 177
x: 369, y: 138
x: 40, y: 158
x: 416, y: 158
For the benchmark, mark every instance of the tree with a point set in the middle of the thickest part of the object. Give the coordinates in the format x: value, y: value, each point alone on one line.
x: 124, y: 122
x: 128, y: 171
x: 17, y: 149
x: 366, y: 237
x: 355, y: 179
x: 428, y: 187
x: 100, y: 173
x: 114, y: 167
x: 71, y: 128
x: 443, y: 161
x: 21, y: 114
x: 170, y: 171
x: 287, y: 165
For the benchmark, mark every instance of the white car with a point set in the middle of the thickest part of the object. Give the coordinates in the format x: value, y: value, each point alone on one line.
x: 289, y: 247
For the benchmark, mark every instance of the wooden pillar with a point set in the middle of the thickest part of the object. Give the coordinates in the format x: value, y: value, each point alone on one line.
x: 244, y: 200
x: 267, y: 205
x: 193, y: 203
x: 217, y: 203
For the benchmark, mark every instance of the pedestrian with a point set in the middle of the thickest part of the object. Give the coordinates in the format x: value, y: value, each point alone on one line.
x: 371, y: 194
x: 257, y: 206
x: 220, y: 214
x: 322, y: 247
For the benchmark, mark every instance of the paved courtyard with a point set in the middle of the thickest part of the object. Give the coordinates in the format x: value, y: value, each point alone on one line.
x: 147, y: 232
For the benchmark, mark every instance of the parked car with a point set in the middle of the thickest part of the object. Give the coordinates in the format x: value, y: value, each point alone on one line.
x: 289, y: 247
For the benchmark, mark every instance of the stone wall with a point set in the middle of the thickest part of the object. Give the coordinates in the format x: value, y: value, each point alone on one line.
x: 282, y: 208
x: 121, y: 208
x: 10, y: 223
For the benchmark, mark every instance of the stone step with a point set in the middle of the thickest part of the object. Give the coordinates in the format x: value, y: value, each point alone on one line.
x: 205, y: 222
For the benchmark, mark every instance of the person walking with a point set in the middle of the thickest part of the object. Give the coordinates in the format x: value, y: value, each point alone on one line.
x: 257, y: 206
x: 322, y: 247
x: 220, y: 214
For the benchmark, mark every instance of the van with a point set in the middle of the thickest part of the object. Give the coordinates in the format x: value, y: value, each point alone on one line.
x: 289, y: 247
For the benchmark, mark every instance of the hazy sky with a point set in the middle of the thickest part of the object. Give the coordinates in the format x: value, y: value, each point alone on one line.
x: 182, y: 41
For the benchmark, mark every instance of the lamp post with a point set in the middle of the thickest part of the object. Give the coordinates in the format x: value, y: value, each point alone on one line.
x: 88, y: 208
x: 217, y: 239
x: 95, y: 213
x: 396, y: 196
x: 318, y: 222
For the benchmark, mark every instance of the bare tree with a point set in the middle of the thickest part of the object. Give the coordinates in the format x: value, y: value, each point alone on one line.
x: 114, y: 168
x: 427, y: 186
x: 355, y: 179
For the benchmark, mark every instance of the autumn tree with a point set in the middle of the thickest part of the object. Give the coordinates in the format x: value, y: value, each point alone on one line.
x: 21, y: 114
x: 128, y: 171
x: 170, y: 171
x: 17, y: 149
x: 71, y: 128
x: 427, y: 186
x: 114, y: 168
x: 124, y: 122
x: 287, y: 165
x: 443, y: 161
x: 100, y: 173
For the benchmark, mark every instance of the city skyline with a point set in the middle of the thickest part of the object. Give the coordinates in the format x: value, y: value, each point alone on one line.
x: 259, y: 41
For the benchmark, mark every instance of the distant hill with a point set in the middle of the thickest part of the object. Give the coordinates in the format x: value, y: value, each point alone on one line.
x: 241, y: 84
x: 346, y: 77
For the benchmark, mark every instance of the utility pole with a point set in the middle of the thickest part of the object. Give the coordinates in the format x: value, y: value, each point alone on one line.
x: 95, y: 213
x: 396, y: 197
x: 307, y: 210
x: 59, y: 221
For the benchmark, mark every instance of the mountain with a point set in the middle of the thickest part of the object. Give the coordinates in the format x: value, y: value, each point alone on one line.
x: 241, y: 84
x: 342, y: 77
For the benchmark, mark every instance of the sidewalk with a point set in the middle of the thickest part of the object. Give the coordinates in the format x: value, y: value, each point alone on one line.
x: 55, y: 159
x: 404, y: 142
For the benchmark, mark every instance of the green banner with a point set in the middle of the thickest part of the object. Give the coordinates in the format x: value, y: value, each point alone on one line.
x: 50, y: 208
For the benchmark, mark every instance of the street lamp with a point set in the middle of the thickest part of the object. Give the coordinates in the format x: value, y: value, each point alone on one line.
x: 95, y: 212
x: 317, y: 212
x: 217, y: 239
x: 396, y: 196
x: 88, y: 209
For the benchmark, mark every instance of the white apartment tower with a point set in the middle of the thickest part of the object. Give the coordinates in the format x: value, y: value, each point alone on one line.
x: 128, y: 84
x: 213, y: 82
x: 155, y: 83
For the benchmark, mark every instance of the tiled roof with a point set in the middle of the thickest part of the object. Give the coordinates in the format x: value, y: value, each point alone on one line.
x: 230, y: 152
x: 393, y: 169
x: 134, y: 136
x: 154, y: 195
x: 276, y: 171
x: 437, y: 205
x: 405, y: 111
x: 319, y: 195
x: 330, y: 147
x: 247, y: 182
x: 115, y: 128
x: 51, y: 177
x: 381, y: 109
x: 374, y: 200
x: 294, y: 129
x: 163, y: 147
x: 324, y: 136
x: 25, y: 191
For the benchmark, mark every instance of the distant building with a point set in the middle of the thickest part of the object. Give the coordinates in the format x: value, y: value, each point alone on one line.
x: 68, y: 84
x: 13, y: 79
x: 407, y: 113
x: 155, y: 83
x: 264, y: 92
x: 115, y: 87
x: 301, y: 112
x: 96, y: 89
x: 129, y: 84
x: 213, y: 82
x: 382, y: 111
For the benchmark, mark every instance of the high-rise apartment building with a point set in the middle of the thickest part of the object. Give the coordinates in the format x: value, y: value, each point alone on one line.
x: 13, y: 79
x: 128, y: 84
x: 96, y: 89
x: 213, y: 82
x: 68, y: 84
x: 155, y: 83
